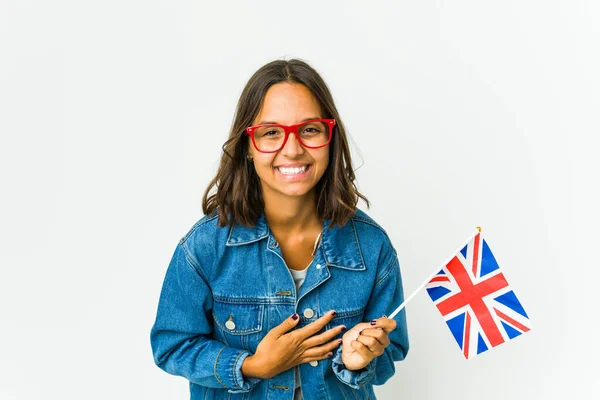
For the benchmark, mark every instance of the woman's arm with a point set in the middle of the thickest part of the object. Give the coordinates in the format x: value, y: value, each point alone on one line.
x: 386, y: 295
x: 180, y: 338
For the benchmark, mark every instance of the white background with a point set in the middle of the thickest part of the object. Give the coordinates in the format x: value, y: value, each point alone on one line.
x: 462, y: 113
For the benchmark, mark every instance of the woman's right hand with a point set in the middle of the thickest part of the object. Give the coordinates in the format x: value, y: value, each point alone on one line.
x: 281, y: 349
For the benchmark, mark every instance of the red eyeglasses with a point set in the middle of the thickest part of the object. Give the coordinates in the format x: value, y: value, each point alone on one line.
x: 313, y: 134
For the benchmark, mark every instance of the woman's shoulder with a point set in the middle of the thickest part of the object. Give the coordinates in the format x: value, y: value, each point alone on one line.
x: 364, y: 222
x: 206, y: 225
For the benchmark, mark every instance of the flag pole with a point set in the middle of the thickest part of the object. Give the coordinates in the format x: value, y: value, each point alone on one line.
x: 433, y: 274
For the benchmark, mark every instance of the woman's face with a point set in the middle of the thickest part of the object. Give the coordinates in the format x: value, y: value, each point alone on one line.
x: 289, y: 104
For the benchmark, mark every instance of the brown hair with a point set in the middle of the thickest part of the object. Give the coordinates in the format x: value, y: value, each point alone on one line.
x: 238, y: 196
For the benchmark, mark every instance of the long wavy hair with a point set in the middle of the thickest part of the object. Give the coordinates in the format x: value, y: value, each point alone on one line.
x: 238, y: 196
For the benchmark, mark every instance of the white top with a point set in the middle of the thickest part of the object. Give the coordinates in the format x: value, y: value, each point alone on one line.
x: 299, y: 276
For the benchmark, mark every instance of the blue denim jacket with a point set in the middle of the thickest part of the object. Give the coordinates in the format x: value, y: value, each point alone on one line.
x: 226, y: 288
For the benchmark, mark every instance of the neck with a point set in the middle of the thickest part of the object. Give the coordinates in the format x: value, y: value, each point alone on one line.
x: 292, y: 214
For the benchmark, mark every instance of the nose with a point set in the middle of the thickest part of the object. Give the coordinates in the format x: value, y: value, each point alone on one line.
x: 292, y: 147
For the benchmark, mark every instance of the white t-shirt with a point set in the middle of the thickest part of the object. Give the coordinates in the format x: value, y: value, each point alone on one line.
x: 298, y: 281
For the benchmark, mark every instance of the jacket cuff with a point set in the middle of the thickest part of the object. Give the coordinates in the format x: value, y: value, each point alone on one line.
x: 228, y: 370
x: 354, y: 379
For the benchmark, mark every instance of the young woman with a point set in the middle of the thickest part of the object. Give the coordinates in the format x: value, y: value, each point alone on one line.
x: 280, y: 290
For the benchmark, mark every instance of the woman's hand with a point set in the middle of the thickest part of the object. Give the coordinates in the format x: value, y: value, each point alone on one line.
x: 281, y: 349
x: 365, y: 341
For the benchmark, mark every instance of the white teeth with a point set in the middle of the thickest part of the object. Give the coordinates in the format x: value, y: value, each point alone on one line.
x: 292, y: 171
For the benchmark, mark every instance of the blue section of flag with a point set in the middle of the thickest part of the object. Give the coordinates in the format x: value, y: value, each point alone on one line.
x: 488, y: 262
x: 509, y: 299
x: 464, y: 251
x: 481, y: 346
x: 438, y: 292
x: 510, y: 331
x: 457, y: 327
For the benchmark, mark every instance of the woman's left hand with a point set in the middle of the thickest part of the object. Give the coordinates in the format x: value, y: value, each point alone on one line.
x: 365, y: 341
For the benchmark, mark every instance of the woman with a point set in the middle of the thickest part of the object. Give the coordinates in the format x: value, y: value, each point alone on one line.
x: 266, y: 295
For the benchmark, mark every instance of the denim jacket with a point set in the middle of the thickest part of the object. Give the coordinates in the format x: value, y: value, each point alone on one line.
x: 226, y: 287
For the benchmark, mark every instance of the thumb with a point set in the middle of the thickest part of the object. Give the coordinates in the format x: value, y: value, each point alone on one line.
x: 288, y: 324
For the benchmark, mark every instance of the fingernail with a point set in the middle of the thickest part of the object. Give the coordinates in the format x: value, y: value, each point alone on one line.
x: 360, y: 333
x: 333, y: 313
x: 340, y: 342
x: 373, y: 322
x: 344, y: 329
x: 329, y: 355
x: 295, y: 316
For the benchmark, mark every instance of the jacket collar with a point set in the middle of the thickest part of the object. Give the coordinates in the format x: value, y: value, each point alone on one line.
x: 340, y: 245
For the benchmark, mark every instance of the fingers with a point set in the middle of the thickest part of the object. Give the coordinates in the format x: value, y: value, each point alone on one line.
x: 387, y: 324
x: 287, y: 325
x: 377, y: 333
x: 322, y: 350
x: 314, y: 327
x: 324, y: 337
x: 317, y: 358
x: 372, y: 344
x: 362, y: 350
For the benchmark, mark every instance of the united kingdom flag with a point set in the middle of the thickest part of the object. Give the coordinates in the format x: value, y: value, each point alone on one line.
x: 480, y: 308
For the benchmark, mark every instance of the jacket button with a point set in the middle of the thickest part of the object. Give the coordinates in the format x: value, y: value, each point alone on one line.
x: 309, y: 313
x: 318, y: 266
x: 314, y: 363
x: 230, y: 324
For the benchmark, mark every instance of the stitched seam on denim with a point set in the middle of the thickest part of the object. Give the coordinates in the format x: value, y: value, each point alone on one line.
x: 340, y: 379
x: 202, y: 221
x: 241, y: 300
x: 343, y: 389
x: 372, y: 223
x: 346, y: 314
x: 365, y: 382
x: 370, y: 375
x: 241, y: 243
x: 215, y: 368
x: 254, y: 301
x: 362, y: 261
x: 194, y: 263
x: 246, y: 331
x: 391, y: 267
x: 318, y: 283
x: 361, y: 268
x: 233, y: 371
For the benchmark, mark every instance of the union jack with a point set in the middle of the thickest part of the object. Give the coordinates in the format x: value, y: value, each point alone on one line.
x: 478, y: 305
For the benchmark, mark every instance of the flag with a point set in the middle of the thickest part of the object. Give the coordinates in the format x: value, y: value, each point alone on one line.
x: 475, y: 300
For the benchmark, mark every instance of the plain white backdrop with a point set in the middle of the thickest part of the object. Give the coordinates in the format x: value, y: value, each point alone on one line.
x: 464, y: 113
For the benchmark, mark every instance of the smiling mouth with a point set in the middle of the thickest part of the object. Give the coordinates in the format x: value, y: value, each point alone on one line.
x: 293, y: 171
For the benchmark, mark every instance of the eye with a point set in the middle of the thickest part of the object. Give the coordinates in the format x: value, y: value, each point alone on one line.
x: 311, y: 130
x: 268, y: 133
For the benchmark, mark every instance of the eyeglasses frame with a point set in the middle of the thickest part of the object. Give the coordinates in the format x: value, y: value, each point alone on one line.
x: 291, y: 129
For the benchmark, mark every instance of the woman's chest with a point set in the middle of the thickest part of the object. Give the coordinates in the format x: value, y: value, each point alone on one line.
x: 253, y: 291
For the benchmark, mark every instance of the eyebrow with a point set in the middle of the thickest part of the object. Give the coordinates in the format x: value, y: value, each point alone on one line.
x: 273, y: 122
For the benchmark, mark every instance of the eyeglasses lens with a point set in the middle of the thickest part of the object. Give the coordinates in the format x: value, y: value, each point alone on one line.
x: 312, y: 134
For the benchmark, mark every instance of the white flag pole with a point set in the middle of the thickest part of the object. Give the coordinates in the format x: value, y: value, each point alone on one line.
x: 433, y: 274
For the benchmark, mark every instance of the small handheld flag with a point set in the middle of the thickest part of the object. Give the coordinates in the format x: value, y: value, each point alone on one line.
x: 473, y: 296
x: 475, y: 300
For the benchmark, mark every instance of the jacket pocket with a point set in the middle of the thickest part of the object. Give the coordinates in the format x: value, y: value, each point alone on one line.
x: 348, y: 318
x: 241, y: 324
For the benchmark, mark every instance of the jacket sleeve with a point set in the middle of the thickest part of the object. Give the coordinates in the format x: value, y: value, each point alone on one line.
x: 387, y: 294
x: 181, y: 338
